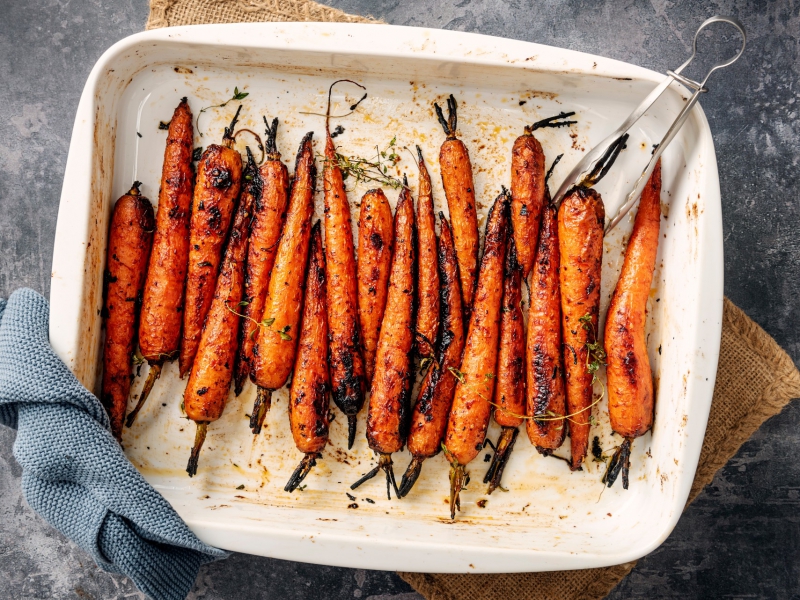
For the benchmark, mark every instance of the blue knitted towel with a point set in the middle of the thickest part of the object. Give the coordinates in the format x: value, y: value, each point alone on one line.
x: 75, y: 474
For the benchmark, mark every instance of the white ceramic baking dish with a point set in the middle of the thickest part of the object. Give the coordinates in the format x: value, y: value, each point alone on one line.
x: 549, y: 518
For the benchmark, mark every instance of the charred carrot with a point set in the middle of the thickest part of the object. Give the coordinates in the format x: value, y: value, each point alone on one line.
x: 469, y: 415
x: 528, y: 188
x: 581, y: 218
x: 348, y: 375
x: 544, y: 366
x: 459, y: 189
x: 630, y: 381
x: 129, y: 240
x: 387, y: 418
x: 428, y: 283
x: 212, y: 370
x: 269, y: 188
x: 309, y: 408
x: 162, y: 301
x: 509, y: 393
x: 429, y: 417
x: 276, y: 340
x: 219, y: 179
x: 375, y: 240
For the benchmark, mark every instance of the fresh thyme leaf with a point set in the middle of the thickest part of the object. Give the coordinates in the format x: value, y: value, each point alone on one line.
x: 237, y: 95
x: 489, y: 376
x: 373, y: 169
x: 268, y: 322
x: 302, y: 487
x: 243, y: 303
x: 285, y: 336
x: 240, y: 487
x: 457, y: 374
x: 163, y: 125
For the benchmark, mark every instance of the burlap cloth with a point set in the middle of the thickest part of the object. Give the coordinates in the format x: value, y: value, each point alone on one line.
x: 755, y: 378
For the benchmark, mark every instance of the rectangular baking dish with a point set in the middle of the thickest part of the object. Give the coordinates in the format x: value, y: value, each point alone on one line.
x: 550, y: 518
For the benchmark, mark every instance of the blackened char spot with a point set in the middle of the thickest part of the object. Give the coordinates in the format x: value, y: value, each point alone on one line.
x: 214, y: 218
x: 376, y: 241
x: 221, y: 178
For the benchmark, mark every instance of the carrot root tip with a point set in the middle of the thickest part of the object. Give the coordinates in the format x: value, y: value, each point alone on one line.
x: 305, y: 466
x: 619, y: 463
x: 410, y: 476
x: 199, y: 438
x: 352, y: 421
x: 152, y: 376
x: 505, y: 444
x: 260, y: 409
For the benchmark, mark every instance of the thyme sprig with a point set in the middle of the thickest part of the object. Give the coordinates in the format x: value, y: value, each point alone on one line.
x: 237, y: 95
x: 595, y: 355
x: 374, y: 169
x: 283, y: 332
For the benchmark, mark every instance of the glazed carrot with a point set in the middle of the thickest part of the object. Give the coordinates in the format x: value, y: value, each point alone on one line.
x: 129, y: 240
x: 460, y: 192
x: 219, y: 179
x: 276, y: 340
x: 544, y: 361
x: 309, y: 408
x: 581, y: 218
x: 212, y: 370
x: 630, y: 381
x: 469, y: 415
x: 348, y: 375
x: 375, y: 238
x: 269, y: 188
x: 429, y: 417
x: 528, y: 188
x: 162, y: 301
x: 428, y: 283
x: 387, y: 418
x: 509, y: 392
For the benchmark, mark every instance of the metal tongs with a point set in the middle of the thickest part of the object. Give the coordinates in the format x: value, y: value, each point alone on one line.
x: 597, y: 162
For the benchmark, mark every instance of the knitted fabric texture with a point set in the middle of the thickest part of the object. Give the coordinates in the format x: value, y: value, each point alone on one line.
x: 74, y: 473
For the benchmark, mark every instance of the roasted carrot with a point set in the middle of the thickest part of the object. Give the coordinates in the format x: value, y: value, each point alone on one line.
x: 129, y: 240
x: 375, y: 239
x: 469, y: 415
x: 630, y: 381
x: 390, y: 394
x: 348, y: 375
x: 581, y: 218
x: 428, y: 283
x: 509, y: 392
x: 212, y: 370
x: 276, y: 340
x: 459, y: 190
x: 429, y: 417
x: 546, y: 403
x: 528, y: 188
x: 269, y: 188
x: 162, y: 301
x: 309, y: 405
x: 219, y: 179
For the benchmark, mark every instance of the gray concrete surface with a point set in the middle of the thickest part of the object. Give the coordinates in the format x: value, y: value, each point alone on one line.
x: 740, y: 539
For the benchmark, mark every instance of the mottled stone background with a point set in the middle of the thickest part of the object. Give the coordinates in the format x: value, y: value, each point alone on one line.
x: 740, y: 539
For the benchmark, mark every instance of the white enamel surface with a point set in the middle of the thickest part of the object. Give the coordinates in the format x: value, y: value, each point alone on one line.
x: 550, y: 518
